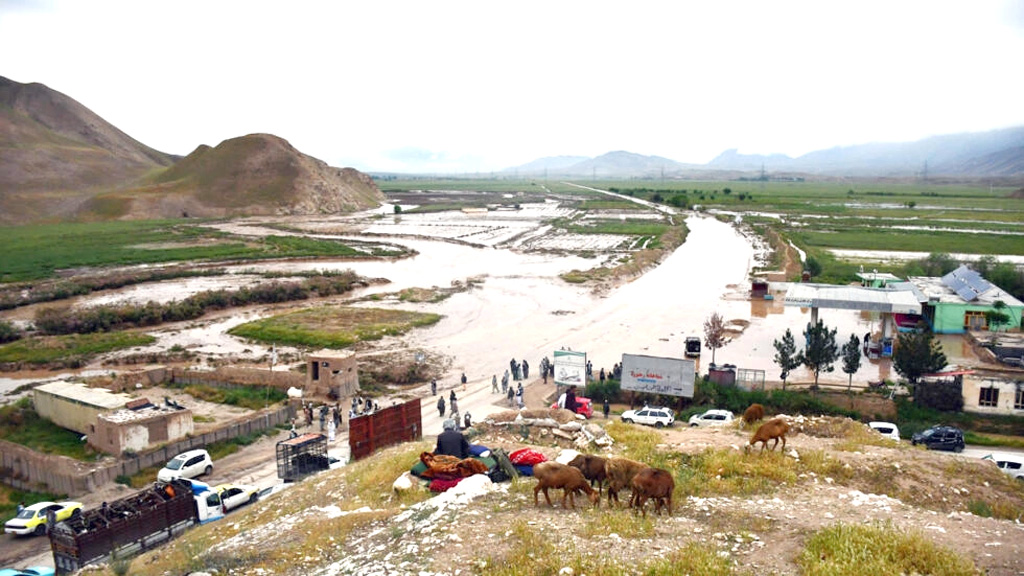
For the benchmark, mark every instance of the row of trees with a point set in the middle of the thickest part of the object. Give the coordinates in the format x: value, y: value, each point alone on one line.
x: 917, y: 353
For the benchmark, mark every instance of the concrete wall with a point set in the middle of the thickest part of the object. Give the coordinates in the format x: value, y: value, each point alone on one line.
x: 117, y: 433
x: 26, y: 469
x: 1005, y: 403
x: 66, y: 413
x: 949, y: 317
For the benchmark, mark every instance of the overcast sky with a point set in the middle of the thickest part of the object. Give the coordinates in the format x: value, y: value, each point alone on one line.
x: 479, y: 86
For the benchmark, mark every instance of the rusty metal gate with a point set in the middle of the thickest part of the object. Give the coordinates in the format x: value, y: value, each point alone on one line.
x: 389, y: 426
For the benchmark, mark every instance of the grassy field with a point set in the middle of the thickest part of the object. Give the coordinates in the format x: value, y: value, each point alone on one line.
x: 39, y: 251
x: 20, y: 424
x: 70, y: 349
x: 333, y: 327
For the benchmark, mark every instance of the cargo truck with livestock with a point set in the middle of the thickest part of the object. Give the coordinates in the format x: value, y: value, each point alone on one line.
x: 132, y: 524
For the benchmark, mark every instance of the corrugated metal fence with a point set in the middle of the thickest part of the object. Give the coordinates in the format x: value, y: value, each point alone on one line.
x: 394, y: 425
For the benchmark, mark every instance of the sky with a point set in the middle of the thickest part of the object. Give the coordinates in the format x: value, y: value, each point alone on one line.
x: 475, y: 86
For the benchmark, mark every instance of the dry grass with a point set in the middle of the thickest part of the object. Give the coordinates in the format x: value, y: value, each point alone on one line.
x: 843, y: 549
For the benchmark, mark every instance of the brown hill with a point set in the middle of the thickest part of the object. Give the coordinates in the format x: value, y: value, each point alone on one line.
x: 59, y: 160
x: 54, y: 152
x: 254, y: 174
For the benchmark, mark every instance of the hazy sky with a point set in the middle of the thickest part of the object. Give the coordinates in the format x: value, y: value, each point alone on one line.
x: 479, y: 86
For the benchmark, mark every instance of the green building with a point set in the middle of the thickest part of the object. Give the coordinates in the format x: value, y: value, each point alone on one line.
x: 958, y: 302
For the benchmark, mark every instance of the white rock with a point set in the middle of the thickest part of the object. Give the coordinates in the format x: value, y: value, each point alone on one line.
x: 404, y: 483
x: 566, y: 456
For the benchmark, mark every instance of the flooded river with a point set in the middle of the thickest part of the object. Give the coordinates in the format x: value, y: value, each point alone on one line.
x: 523, y: 309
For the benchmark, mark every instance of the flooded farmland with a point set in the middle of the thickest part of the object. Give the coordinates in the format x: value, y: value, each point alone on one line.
x: 519, y: 306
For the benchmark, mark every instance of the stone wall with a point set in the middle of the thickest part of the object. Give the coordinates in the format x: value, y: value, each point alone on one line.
x: 27, y: 469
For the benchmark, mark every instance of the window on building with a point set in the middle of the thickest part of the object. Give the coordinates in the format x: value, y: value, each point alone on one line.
x: 988, y: 397
x: 1018, y: 399
x: 974, y: 320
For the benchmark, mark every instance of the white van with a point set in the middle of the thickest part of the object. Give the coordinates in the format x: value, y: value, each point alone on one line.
x: 189, y: 464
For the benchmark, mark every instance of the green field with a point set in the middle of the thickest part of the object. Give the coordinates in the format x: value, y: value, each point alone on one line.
x: 70, y: 349
x: 333, y: 327
x: 40, y: 251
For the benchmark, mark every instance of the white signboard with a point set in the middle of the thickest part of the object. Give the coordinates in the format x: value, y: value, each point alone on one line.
x: 655, y: 375
x: 570, y: 368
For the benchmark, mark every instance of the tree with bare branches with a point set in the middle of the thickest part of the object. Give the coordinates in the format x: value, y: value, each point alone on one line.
x: 714, y: 333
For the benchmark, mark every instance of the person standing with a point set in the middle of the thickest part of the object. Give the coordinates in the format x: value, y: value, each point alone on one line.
x: 606, y: 407
x: 511, y: 393
x: 433, y: 387
x: 526, y: 369
x: 454, y: 409
x: 504, y: 383
x: 570, y: 399
x: 494, y: 383
x: 601, y: 375
x: 469, y: 420
x: 440, y: 407
x: 451, y: 397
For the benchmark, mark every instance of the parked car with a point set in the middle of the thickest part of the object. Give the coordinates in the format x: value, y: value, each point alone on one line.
x: 30, y: 571
x: 711, y: 418
x: 584, y: 406
x: 887, y: 429
x: 191, y: 464
x: 235, y: 495
x: 32, y: 519
x: 940, y: 438
x: 656, y: 417
x: 1012, y: 464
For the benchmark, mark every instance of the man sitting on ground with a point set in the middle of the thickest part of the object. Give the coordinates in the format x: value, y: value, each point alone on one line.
x: 451, y: 441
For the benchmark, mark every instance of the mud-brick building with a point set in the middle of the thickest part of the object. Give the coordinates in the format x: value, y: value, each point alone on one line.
x: 993, y: 396
x: 75, y: 406
x: 139, y: 425
x: 332, y: 374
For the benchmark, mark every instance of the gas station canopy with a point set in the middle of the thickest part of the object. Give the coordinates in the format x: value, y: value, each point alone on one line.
x: 852, y: 298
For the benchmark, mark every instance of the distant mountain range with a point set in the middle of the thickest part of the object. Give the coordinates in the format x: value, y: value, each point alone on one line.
x: 997, y: 153
x: 60, y: 161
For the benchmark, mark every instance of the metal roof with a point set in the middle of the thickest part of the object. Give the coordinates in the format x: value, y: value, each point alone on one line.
x: 82, y: 394
x: 852, y: 298
x: 967, y: 283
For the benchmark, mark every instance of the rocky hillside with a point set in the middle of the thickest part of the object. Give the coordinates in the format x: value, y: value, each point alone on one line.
x: 802, y: 510
x: 59, y: 160
x: 54, y: 152
x: 258, y: 174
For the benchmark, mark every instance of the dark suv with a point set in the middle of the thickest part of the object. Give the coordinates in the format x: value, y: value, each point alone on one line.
x: 940, y: 438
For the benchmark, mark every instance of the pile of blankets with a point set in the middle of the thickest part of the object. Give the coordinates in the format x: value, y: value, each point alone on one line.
x: 443, y: 471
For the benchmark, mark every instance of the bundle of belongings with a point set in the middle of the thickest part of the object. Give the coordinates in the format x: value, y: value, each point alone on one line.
x: 444, y: 471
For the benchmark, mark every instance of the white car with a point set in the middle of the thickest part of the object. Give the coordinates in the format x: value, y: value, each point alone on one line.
x: 235, y: 495
x: 712, y: 418
x: 191, y: 464
x: 657, y: 417
x: 1012, y: 464
x: 887, y: 429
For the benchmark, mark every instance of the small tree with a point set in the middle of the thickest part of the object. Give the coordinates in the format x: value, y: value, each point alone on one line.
x: 812, y: 266
x: 786, y: 355
x: 918, y: 353
x: 997, y: 316
x: 821, y: 352
x: 714, y: 333
x: 851, y: 359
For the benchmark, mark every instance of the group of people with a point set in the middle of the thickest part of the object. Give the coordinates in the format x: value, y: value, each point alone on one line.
x: 520, y: 370
x: 453, y: 410
x: 362, y: 407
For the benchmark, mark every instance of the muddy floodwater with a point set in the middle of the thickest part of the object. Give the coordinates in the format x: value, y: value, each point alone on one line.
x: 521, y: 308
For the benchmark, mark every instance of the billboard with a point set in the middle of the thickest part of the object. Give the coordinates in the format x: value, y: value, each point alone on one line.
x: 655, y: 375
x: 570, y: 368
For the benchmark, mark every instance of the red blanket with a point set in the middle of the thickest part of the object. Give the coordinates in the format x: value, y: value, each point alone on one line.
x: 527, y: 456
